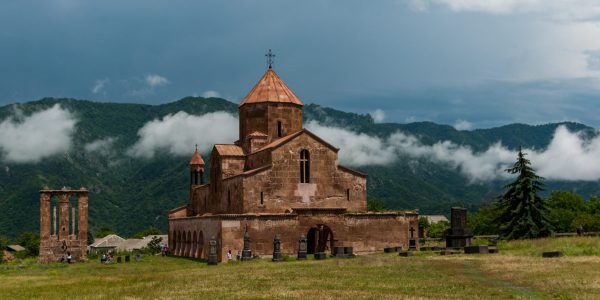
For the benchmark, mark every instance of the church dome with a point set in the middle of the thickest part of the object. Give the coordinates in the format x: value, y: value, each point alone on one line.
x: 196, y: 159
x: 270, y: 88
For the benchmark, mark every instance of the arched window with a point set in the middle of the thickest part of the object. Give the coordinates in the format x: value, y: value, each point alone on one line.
x: 279, y: 129
x: 304, y: 166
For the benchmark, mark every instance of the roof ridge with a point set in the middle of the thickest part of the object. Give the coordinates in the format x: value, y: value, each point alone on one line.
x: 271, y: 88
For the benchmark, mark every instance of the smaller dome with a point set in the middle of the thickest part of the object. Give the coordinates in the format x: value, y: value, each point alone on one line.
x: 196, y: 159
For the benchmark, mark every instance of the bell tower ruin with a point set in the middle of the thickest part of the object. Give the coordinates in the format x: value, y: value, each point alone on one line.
x: 67, y: 232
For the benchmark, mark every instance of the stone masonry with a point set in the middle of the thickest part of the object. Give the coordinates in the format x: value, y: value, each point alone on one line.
x: 66, y: 233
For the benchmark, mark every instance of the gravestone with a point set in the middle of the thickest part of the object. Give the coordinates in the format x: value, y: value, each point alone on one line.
x: 320, y: 255
x: 119, y: 260
x: 552, y: 254
x: 212, y: 251
x: 338, y: 251
x: 389, y: 249
x: 458, y: 235
x: 246, y: 253
x: 302, y: 247
x: 412, y: 244
x: 277, y: 256
x: 127, y: 258
x: 349, y: 252
x: 405, y: 253
x: 492, y: 249
x: 479, y: 249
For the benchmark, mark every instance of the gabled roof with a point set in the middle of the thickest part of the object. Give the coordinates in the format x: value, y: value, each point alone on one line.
x: 196, y: 159
x: 111, y: 240
x: 270, y: 88
x: 285, y: 139
x: 15, y: 248
x: 229, y: 150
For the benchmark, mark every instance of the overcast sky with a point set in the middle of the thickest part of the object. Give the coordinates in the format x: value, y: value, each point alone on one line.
x: 464, y: 62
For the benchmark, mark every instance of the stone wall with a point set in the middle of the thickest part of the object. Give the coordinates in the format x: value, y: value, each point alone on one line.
x: 280, y: 185
x: 263, y: 117
x: 189, y: 236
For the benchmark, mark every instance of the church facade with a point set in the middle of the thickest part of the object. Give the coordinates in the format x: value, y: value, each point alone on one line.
x: 280, y: 179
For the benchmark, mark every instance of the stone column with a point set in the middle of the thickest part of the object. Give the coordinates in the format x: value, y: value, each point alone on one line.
x: 63, y: 210
x: 54, y: 222
x: 82, y: 225
x: 44, y: 215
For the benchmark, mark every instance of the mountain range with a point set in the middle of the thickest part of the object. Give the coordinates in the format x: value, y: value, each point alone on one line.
x: 129, y: 193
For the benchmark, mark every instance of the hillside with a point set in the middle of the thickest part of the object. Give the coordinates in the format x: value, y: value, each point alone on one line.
x: 129, y: 194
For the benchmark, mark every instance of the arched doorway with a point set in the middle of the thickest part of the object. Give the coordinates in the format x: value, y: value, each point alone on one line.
x: 180, y: 243
x: 188, y: 244
x: 319, y: 239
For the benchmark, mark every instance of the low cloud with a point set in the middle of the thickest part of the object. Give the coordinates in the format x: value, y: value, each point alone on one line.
x: 155, y: 80
x: 40, y: 135
x: 463, y: 125
x: 378, y: 115
x: 103, y: 146
x: 211, y: 94
x: 178, y: 133
x: 568, y: 157
x: 100, y: 85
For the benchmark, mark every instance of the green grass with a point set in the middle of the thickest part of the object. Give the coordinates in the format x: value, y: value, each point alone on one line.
x: 514, y: 273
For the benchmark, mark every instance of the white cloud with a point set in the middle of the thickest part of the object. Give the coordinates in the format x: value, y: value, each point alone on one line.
x: 178, y: 133
x: 155, y: 80
x: 99, y: 85
x: 558, y: 10
x: 102, y: 146
x: 37, y: 136
x: 463, y: 125
x: 378, y: 115
x: 568, y: 156
x: 211, y: 94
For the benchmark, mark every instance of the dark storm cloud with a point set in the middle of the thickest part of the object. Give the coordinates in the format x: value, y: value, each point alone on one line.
x: 436, y: 65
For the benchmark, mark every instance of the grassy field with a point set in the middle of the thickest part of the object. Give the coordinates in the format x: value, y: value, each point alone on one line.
x: 517, y: 272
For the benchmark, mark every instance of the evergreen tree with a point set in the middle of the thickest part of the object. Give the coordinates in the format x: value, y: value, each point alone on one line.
x: 523, y: 212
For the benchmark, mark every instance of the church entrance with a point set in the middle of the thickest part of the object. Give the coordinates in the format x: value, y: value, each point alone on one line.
x: 319, y: 239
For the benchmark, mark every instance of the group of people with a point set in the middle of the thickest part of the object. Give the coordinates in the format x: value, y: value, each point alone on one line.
x: 69, y: 258
x: 107, y: 257
x: 238, y: 256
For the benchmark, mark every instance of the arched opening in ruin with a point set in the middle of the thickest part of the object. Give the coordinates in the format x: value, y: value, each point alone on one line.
x: 188, y: 244
x: 194, y: 245
x: 200, y: 245
x: 319, y: 239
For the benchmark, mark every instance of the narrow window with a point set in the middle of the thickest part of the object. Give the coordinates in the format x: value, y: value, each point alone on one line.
x: 228, y: 199
x: 261, y: 199
x: 279, y: 129
x: 304, y: 166
x: 348, y: 194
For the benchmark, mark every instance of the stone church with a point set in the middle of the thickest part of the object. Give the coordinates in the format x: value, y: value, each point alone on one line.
x: 279, y: 178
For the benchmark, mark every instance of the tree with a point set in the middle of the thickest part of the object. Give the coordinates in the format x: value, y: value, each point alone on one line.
x: 104, y: 231
x: 148, y: 231
x: 31, y: 242
x: 3, y: 243
x: 523, y: 211
x: 375, y: 205
x: 564, y: 208
x: 484, y: 221
x: 436, y: 230
x: 154, y: 245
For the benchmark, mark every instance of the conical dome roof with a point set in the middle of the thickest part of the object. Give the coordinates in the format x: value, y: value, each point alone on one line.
x: 196, y: 159
x: 270, y: 88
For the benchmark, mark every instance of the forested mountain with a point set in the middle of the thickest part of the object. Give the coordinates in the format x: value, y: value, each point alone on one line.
x: 129, y: 193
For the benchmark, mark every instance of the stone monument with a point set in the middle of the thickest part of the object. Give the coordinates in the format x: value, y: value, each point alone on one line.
x: 302, y: 247
x: 246, y: 253
x: 277, y: 256
x: 212, y: 251
x: 67, y: 233
x: 458, y: 235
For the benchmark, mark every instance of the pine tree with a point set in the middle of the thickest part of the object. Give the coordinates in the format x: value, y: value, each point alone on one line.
x: 523, y: 212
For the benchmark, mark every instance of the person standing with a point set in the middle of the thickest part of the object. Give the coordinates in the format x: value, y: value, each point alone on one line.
x: 229, y: 256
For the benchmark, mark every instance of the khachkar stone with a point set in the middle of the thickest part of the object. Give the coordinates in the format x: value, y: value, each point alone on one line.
x: 246, y: 253
x: 458, y: 235
x: 302, y: 247
x: 212, y: 251
x: 277, y: 256
x: 70, y: 237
